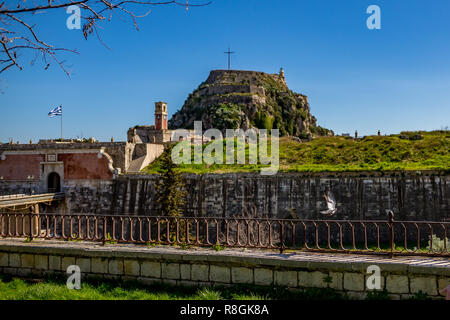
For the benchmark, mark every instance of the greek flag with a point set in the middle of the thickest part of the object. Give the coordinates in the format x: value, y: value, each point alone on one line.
x: 55, y: 112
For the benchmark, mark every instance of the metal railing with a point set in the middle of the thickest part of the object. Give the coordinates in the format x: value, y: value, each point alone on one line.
x: 13, y: 196
x: 21, y: 200
x: 388, y: 237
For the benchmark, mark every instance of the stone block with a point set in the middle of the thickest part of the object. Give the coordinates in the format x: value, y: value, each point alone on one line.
x: 443, y: 283
x: 54, y: 263
x: 356, y: 295
x: 14, y: 260
x: 188, y: 283
x: 219, y: 274
x: 427, y: 285
x: 84, y: 264
x: 132, y: 268
x: 3, y: 259
x: 66, y: 262
x: 313, y: 279
x: 354, y: 281
x: 148, y: 281
x: 41, y: 262
x: 200, y: 272
x: 27, y: 260
x: 128, y: 278
x: 109, y: 276
x: 115, y: 267
x: 185, y: 271
x: 336, y: 280
x: 37, y: 273
x: 99, y: 265
x: 24, y: 272
x: 170, y: 271
x: 150, y: 269
x: 94, y: 277
x: 286, y: 278
x: 397, y: 284
x: 11, y: 271
x: 169, y: 282
x: 241, y: 275
x: 263, y: 277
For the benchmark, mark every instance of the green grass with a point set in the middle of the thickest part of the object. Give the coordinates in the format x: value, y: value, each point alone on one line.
x: 55, y: 289
x: 339, y: 154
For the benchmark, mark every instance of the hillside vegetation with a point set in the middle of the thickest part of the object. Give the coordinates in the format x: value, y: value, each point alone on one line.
x: 231, y: 99
x: 384, y: 153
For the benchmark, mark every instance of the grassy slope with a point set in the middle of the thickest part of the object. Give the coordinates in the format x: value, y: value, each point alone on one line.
x: 55, y: 289
x: 383, y: 153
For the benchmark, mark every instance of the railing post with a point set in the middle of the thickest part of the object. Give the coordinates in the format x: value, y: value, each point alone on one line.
x: 31, y: 226
x: 104, y: 231
x: 391, y: 232
x: 281, y: 238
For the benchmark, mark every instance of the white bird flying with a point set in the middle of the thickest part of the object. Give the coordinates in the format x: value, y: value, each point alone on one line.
x: 331, y: 204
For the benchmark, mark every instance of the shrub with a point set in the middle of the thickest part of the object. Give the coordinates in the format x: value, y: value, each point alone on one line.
x: 438, y: 243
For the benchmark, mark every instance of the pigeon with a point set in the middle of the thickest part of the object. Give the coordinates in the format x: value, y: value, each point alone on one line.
x: 292, y: 215
x: 331, y: 204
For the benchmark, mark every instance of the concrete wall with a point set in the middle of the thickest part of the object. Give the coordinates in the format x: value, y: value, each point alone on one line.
x: 184, y: 267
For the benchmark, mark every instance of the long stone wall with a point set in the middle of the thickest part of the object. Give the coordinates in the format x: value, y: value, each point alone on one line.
x: 359, y: 196
x: 401, y: 277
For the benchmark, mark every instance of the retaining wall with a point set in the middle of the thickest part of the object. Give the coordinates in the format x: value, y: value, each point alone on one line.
x: 415, y: 196
x: 402, y: 277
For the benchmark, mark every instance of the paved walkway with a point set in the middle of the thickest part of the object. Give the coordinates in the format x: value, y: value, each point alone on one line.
x: 302, y: 257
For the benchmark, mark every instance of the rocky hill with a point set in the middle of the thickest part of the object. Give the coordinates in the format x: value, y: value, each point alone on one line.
x: 244, y: 99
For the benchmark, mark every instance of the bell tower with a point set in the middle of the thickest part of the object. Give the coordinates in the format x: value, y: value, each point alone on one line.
x: 160, y: 115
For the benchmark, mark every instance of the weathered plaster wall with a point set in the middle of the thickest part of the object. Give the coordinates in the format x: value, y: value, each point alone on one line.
x: 85, y: 166
x: 71, y: 161
x: 115, y: 150
x: 20, y: 166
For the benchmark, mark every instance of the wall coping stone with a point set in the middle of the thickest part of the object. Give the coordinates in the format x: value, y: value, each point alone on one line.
x: 325, y: 174
x: 302, y: 261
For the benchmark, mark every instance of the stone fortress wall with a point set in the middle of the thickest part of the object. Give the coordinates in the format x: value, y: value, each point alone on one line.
x: 414, y: 197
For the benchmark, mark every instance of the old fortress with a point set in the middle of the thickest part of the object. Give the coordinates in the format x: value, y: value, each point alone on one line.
x: 49, y: 165
x: 106, y: 178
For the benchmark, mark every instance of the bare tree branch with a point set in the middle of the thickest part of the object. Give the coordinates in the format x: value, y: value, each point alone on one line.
x: 17, y: 35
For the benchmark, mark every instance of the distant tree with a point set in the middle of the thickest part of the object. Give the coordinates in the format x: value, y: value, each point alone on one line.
x: 170, y: 188
x: 18, y: 35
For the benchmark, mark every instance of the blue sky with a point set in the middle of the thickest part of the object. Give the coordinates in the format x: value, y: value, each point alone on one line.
x: 393, y: 79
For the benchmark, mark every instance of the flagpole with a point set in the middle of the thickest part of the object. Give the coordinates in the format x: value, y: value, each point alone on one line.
x: 61, y: 126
